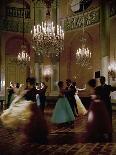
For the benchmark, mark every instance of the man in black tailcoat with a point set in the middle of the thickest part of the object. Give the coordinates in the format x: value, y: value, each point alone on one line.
x: 31, y: 89
x: 105, y: 91
x: 70, y: 92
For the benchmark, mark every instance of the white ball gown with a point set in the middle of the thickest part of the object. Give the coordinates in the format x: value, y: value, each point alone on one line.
x: 80, y: 106
x: 17, y: 114
x: 27, y: 117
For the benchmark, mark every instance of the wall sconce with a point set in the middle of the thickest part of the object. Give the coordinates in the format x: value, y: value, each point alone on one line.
x: 112, y: 69
x: 47, y: 72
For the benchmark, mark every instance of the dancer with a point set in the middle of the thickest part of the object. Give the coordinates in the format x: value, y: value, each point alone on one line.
x: 24, y: 114
x: 37, y: 95
x: 31, y: 89
x: 13, y: 116
x: 98, y: 122
x: 105, y: 91
x: 42, y: 96
x: 70, y: 94
x: 17, y: 89
x: 62, y: 112
x: 36, y: 129
x: 80, y: 106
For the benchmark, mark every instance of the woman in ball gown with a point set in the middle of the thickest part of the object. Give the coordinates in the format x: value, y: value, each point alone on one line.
x: 62, y: 112
x: 81, y: 109
x: 19, y: 108
x: 24, y: 115
x: 98, y: 122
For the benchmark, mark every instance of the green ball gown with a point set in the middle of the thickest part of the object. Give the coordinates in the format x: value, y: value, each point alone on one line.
x: 62, y: 112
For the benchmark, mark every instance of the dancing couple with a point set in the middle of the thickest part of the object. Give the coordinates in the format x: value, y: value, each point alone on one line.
x: 66, y: 107
x: 24, y: 114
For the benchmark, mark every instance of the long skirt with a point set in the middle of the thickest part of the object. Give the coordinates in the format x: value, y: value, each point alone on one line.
x: 80, y: 106
x: 62, y: 112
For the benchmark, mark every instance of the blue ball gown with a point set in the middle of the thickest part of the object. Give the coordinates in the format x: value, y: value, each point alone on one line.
x: 62, y: 112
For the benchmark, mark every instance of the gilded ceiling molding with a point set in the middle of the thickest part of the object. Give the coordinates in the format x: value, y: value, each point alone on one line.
x: 75, y: 22
x: 17, y: 12
x: 91, y: 17
x: 15, y: 26
x: 69, y: 23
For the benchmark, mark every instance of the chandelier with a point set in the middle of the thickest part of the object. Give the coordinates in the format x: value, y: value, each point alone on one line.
x: 48, y: 39
x: 83, y: 54
x: 23, y: 57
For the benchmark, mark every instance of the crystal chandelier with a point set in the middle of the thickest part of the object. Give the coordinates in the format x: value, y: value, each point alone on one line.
x: 23, y: 57
x: 48, y: 39
x: 83, y: 54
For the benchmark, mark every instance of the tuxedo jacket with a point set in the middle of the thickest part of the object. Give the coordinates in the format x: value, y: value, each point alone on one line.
x: 31, y: 94
x: 70, y: 92
x: 105, y: 91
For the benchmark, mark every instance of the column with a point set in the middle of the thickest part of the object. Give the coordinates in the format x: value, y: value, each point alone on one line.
x: 2, y: 64
x: 104, y: 38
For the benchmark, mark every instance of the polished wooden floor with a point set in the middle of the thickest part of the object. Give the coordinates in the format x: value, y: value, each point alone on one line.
x: 61, y: 141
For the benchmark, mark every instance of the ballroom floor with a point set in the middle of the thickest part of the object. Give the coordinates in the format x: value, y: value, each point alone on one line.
x: 60, y: 141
